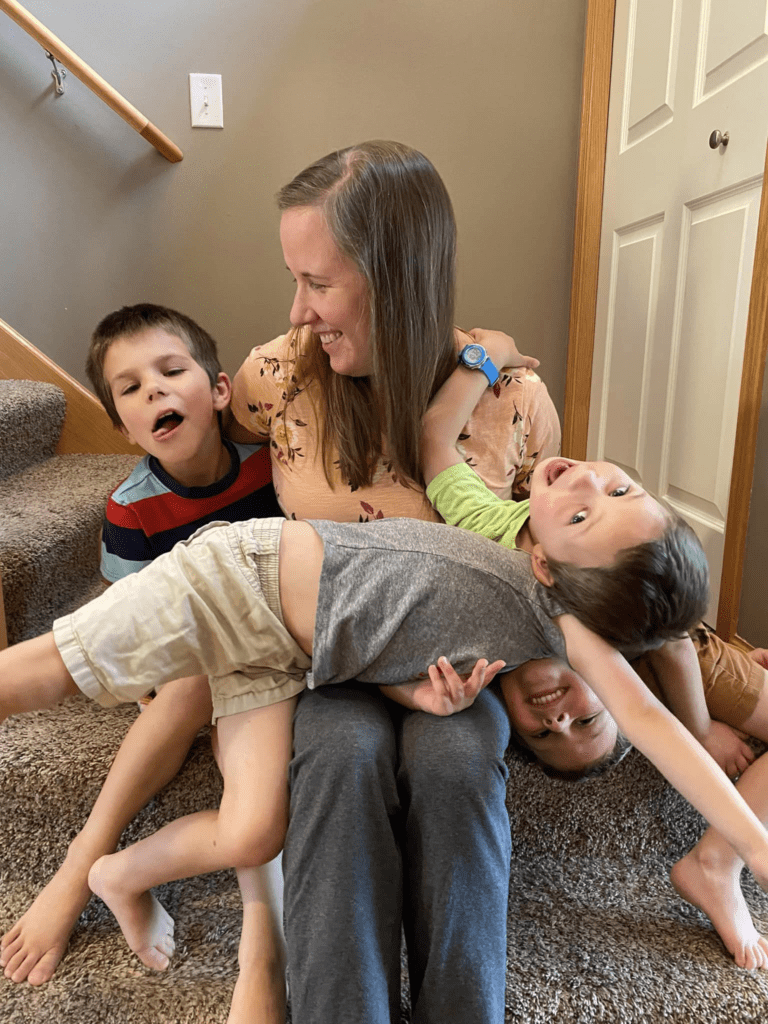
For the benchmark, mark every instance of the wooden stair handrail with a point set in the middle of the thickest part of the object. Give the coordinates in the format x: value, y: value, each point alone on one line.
x: 95, y: 82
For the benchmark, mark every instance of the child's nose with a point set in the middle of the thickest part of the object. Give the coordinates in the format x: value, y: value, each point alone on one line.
x: 586, y: 475
x: 559, y: 723
x: 156, y: 390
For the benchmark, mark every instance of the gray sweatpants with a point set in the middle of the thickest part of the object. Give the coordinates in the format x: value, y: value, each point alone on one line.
x: 396, y: 817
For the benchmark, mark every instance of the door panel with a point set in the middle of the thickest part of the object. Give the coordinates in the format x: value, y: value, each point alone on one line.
x: 732, y: 41
x: 677, y: 245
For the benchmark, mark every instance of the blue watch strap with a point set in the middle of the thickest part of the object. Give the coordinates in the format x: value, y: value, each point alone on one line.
x: 474, y: 357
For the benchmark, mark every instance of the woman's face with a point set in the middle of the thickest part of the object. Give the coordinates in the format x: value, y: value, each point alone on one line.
x: 331, y: 294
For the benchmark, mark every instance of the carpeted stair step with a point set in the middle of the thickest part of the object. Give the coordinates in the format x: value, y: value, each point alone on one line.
x: 31, y: 416
x: 52, y: 765
x: 50, y: 517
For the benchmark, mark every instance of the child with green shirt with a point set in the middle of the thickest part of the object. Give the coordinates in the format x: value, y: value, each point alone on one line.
x: 554, y: 714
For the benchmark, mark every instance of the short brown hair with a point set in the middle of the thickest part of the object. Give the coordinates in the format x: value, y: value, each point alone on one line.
x: 652, y: 593
x: 132, y: 320
x: 617, y: 753
x: 389, y: 212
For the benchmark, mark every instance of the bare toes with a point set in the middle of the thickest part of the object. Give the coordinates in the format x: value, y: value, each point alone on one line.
x: 10, y: 951
x: 18, y: 969
x: 153, y: 959
x: 44, y: 969
x: 10, y: 936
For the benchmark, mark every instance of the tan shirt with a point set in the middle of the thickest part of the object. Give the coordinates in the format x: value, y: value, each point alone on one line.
x: 513, y: 425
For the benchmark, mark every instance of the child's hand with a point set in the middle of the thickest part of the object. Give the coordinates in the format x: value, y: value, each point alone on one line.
x: 727, y: 747
x: 760, y: 655
x: 502, y: 349
x: 446, y: 692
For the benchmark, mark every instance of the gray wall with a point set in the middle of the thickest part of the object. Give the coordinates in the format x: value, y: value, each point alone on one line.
x: 92, y: 218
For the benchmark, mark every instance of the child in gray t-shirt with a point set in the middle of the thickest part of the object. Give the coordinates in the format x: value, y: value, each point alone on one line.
x: 253, y: 604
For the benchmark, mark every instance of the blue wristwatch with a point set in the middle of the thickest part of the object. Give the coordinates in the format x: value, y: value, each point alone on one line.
x: 474, y: 357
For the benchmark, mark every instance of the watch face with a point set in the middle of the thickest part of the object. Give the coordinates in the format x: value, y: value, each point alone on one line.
x: 473, y: 355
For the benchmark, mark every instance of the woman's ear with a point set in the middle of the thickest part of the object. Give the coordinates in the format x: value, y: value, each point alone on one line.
x: 222, y: 392
x: 540, y: 567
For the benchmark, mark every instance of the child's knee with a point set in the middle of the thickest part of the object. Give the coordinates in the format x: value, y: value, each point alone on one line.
x: 184, y: 705
x: 250, y: 844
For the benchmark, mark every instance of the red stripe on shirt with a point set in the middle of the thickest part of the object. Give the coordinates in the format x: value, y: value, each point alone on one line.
x: 168, y: 511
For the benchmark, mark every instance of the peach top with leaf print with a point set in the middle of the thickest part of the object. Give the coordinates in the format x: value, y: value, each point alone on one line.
x: 514, y: 425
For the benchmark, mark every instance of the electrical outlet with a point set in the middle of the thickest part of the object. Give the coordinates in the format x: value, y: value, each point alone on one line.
x: 205, y: 101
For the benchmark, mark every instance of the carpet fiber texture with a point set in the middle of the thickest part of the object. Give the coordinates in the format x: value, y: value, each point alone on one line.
x: 596, y: 932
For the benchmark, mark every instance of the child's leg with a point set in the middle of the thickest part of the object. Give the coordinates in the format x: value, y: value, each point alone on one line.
x: 709, y: 875
x: 735, y: 686
x: 33, y: 676
x: 248, y: 828
x: 709, y: 878
x: 259, y: 996
x: 149, y: 757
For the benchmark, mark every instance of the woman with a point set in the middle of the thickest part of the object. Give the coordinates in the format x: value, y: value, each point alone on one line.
x: 397, y: 818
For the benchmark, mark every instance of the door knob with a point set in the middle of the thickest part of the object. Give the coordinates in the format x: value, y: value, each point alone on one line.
x: 716, y: 139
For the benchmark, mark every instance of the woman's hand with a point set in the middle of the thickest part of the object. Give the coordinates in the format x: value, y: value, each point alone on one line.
x: 445, y: 692
x: 502, y: 349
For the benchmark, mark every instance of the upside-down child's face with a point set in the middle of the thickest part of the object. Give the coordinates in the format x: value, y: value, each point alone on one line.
x: 557, y: 715
x: 584, y: 513
x: 166, y: 403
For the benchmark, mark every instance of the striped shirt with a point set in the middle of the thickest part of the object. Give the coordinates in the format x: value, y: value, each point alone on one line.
x: 150, y: 511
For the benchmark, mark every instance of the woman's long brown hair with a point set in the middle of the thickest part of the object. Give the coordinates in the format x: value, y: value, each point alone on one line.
x: 390, y: 213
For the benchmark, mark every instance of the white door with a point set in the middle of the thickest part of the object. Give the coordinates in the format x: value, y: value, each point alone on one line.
x: 678, y: 239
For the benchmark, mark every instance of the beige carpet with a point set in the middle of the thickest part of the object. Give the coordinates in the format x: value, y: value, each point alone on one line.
x: 596, y: 933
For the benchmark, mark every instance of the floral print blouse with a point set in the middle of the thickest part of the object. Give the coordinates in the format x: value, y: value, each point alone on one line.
x: 513, y: 425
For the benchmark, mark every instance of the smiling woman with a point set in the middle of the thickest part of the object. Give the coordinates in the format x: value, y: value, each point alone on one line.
x: 388, y: 828
x: 331, y: 294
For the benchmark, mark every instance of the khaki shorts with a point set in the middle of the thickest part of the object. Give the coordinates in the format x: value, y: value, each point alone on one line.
x: 732, y: 681
x: 210, y: 606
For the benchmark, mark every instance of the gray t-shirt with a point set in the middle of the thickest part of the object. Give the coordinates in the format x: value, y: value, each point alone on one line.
x: 397, y: 593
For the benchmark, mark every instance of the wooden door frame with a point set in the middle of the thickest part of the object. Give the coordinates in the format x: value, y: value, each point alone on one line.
x: 595, y: 93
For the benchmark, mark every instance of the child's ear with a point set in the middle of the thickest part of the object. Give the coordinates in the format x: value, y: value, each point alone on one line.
x: 222, y: 392
x: 540, y: 567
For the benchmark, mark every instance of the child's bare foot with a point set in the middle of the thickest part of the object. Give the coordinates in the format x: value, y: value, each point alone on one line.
x: 146, y: 925
x: 34, y: 946
x: 716, y: 890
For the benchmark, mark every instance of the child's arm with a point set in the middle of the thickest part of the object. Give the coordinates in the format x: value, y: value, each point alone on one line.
x: 666, y: 743
x: 445, y: 692
x: 454, y: 402
x: 677, y: 671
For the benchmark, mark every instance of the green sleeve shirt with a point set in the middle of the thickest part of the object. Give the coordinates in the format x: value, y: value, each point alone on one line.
x: 462, y: 499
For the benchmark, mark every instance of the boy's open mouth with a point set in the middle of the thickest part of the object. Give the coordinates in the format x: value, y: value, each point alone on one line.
x: 556, y: 470
x: 166, y: 423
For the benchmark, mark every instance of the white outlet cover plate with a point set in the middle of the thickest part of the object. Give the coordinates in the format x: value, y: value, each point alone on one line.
x: 205, y: 101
